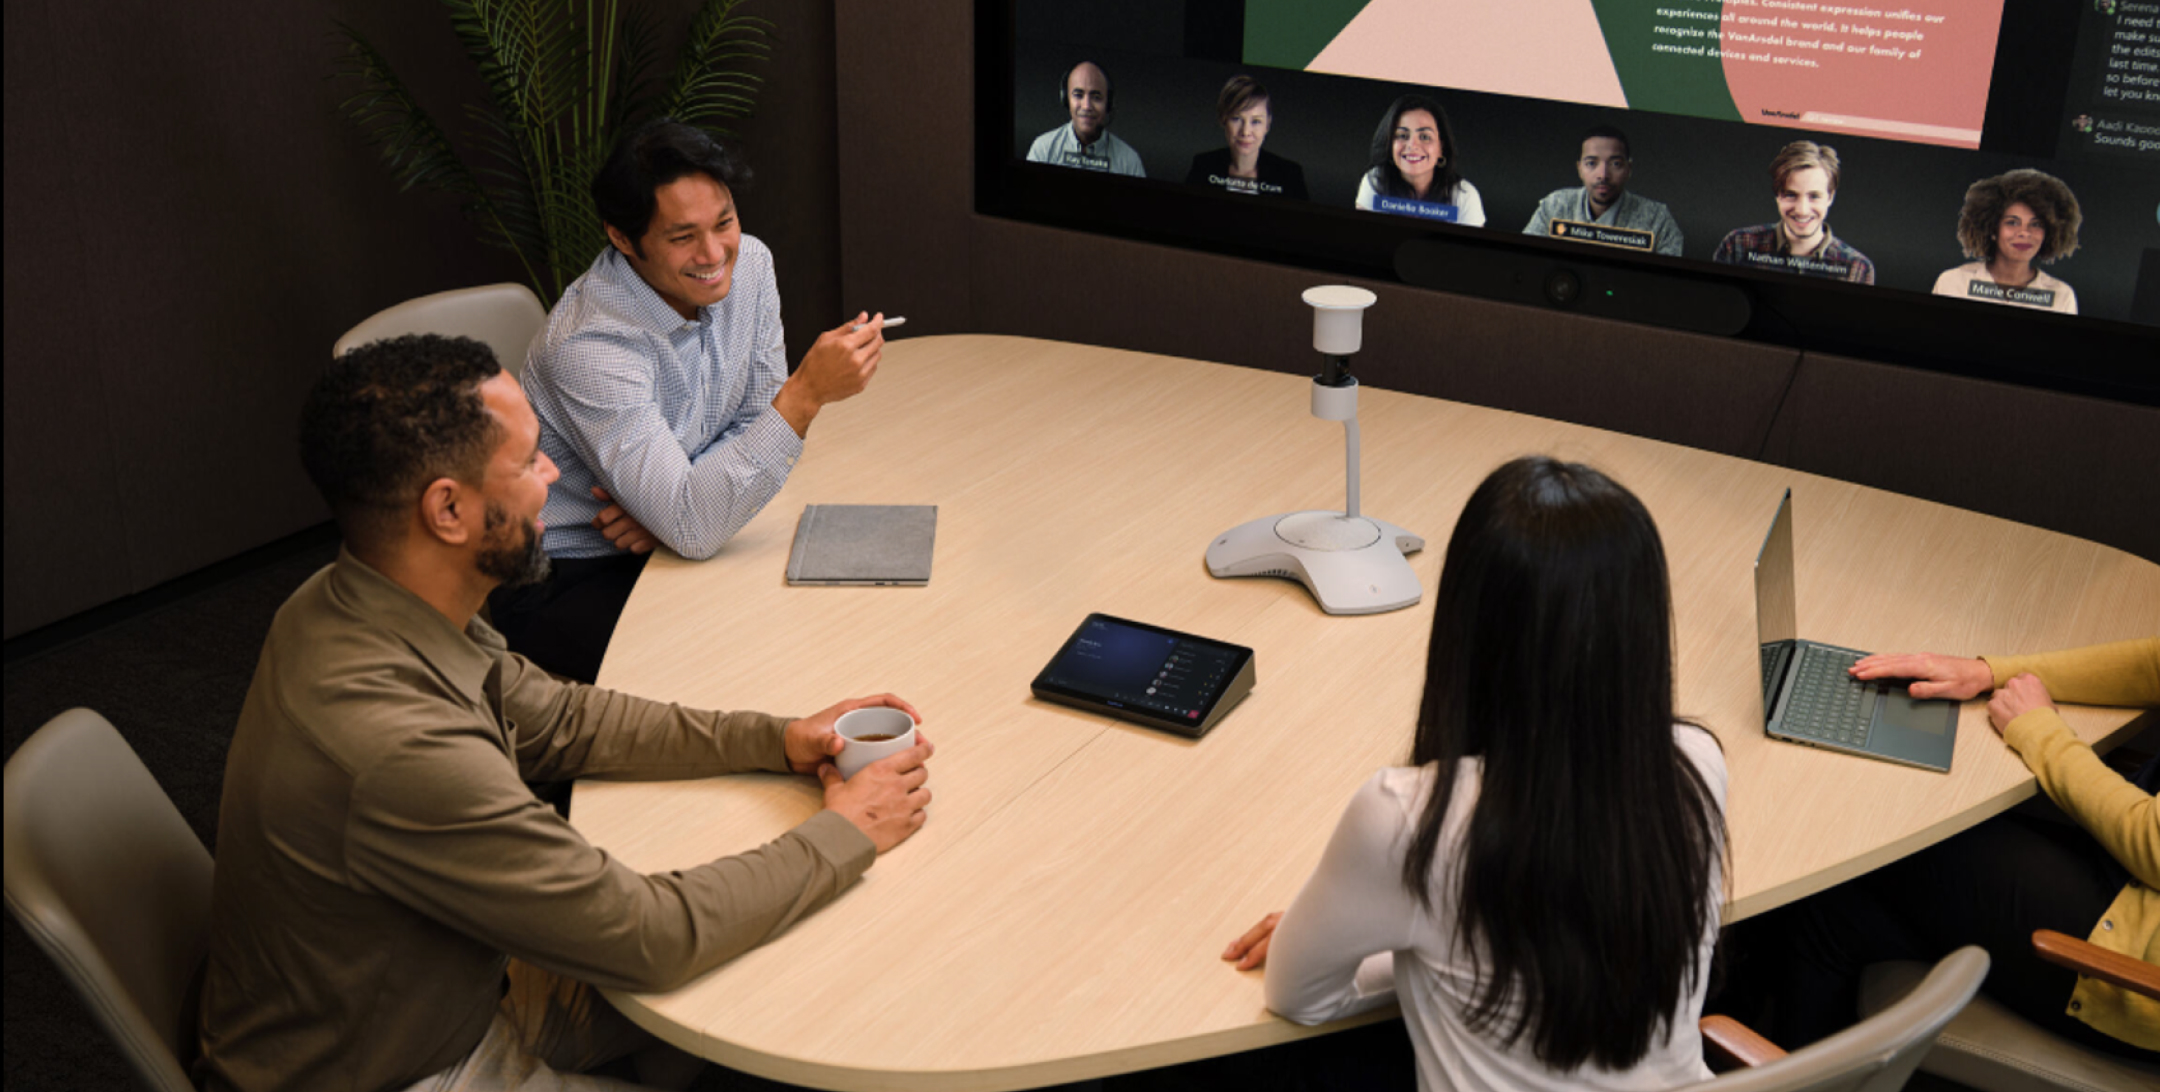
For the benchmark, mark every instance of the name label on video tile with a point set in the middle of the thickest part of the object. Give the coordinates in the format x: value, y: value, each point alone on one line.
x: 1423, y: 210
x: 1603, y: 234
x: 2003, y: 293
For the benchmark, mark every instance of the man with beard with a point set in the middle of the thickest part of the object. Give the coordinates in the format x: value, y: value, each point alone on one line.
x: 393, y: 908
x: 1603, y: 200
x: 1086, y: 142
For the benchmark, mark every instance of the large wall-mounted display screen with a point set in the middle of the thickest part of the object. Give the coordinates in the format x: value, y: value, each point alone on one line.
x: 1900, y: 72
x: 1954, y: 182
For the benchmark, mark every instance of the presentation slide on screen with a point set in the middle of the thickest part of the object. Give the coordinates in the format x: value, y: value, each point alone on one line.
x: 1916, y: 72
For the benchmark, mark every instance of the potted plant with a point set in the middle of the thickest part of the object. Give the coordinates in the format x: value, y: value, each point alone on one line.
x: 563, y: 78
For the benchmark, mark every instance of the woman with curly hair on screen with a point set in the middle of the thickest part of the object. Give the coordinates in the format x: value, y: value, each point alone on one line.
x: 2011, y: 225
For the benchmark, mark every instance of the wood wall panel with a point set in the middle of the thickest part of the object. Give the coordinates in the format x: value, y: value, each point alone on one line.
x: 1706, y: 392
x: 199, y: 227
x: 906, y: 121
x: 62, y: 464
x: 2083, y: 466
x: 793, y: 147
x: 190, y: 226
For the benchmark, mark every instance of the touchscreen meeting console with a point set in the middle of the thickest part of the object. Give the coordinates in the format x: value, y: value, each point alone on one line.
x: 1148, y: 675
x: 1848, y: 175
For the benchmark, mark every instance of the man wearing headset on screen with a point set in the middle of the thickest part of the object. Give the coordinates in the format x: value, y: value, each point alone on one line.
x: 1086, y: 141
x: 1603, y: 201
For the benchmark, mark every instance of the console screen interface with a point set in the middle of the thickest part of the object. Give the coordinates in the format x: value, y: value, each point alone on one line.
x: 1158, y: 674
x: 2002, y: 153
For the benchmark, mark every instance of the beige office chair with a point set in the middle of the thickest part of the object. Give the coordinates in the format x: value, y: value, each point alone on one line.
x: 108, y: 879
x: 505, y: 316
x: 1878, y: 1054
x: 1991, y: 1049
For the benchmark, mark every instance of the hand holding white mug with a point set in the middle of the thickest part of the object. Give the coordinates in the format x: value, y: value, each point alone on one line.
x: 871, y: 733
x: 812, y: 741
x: 886, y: 799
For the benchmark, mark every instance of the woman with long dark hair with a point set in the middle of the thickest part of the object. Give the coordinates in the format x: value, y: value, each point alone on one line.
x: 1414, y: 157
x: 1541, y: 885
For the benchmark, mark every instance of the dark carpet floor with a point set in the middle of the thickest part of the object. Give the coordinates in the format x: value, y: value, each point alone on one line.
x: 171, y: 680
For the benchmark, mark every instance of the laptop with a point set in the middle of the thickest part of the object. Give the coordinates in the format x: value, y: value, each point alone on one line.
x: 1807, y: 696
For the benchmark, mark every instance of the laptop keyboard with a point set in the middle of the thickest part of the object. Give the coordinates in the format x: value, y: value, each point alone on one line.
x: 1826, y: 703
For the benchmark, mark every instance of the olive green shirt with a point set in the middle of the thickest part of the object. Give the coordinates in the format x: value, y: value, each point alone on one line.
x: 380, y: 858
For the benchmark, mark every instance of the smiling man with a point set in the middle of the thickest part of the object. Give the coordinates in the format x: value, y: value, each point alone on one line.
x: 1804, y: 181
x: 1086, y: 141
x: 662, y: 387
x: 393, y: 908
x: 1604, y: 165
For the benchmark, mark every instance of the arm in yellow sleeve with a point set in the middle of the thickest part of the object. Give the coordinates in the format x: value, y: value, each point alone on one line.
x: 2122, y: 673
x: 2122, y: 818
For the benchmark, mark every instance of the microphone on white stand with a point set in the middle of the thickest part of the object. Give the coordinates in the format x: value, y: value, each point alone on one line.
x: 1352, y: 564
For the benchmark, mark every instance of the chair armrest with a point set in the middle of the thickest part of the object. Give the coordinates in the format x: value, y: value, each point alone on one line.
x: 2093, y: 961
x: 1737, y: 1042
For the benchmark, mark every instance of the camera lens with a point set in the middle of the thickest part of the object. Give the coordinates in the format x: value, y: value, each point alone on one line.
x: 1562, y: 287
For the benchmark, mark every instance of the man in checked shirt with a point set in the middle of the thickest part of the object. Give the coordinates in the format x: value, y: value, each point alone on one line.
x: 662, y: 387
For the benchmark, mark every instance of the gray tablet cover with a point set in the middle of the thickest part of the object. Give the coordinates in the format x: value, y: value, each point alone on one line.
x: 863, y: 544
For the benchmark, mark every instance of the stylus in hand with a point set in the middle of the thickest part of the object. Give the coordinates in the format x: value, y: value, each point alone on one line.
x: 889, y: 324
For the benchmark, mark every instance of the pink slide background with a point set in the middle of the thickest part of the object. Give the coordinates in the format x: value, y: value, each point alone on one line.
x: 1945, y: 86
x: 1537, y: 48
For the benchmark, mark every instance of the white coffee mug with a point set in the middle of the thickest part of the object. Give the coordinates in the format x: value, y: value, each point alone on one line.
x: 874, y: 720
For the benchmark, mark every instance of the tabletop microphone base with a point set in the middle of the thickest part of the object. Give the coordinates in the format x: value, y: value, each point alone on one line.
x: 1351, y: 564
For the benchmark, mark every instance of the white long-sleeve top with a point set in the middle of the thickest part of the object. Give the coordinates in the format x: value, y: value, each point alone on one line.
x: 1355, y: 938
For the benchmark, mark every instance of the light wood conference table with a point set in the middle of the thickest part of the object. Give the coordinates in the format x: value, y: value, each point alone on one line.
x: 1061, y: 914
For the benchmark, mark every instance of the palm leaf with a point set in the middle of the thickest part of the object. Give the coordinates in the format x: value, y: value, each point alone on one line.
x: 527, y: 57
x: 411, y: 144
x: 562, y: 78
x: 637, y: 48
x: 708, y: 87
x: 502, y: 174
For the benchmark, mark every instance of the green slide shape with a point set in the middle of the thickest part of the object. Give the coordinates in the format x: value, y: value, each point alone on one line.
x: 1290, y: 33
x: 1671, y: 83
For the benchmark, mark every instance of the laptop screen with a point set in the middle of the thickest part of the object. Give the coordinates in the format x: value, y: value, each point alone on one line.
x: 1776, y: 618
